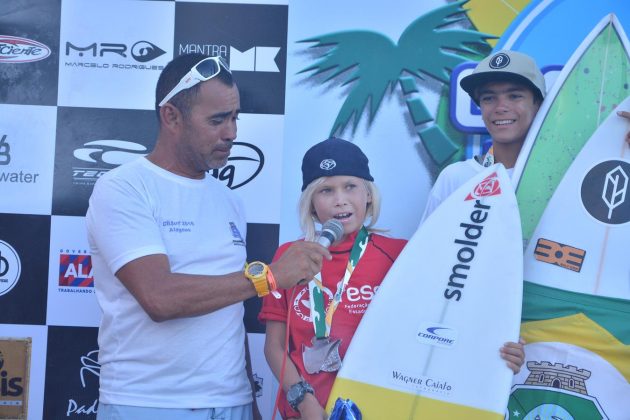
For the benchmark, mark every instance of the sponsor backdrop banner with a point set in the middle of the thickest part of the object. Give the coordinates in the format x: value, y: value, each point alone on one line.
x: 77, y: 99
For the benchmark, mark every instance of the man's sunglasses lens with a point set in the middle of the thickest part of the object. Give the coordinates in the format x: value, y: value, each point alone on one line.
x: 208, y: 68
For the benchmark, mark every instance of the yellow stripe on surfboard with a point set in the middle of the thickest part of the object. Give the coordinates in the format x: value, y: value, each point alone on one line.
x: 402, y: 405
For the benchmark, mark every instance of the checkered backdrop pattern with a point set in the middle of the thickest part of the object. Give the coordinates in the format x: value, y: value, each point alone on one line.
x: 77, y: 80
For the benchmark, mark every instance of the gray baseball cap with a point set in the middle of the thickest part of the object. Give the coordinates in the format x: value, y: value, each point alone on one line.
x: 505, y: 65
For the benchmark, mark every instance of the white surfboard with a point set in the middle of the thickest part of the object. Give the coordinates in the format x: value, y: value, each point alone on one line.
x: 572, y: 177
x: 428, y: 345
x: 582, y: 241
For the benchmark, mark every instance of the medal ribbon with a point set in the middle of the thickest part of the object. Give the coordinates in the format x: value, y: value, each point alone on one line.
x: 488, y: 159
x: 322, y: 320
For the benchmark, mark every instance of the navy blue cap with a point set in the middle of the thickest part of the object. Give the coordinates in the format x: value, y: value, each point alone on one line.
x: 332, y: 157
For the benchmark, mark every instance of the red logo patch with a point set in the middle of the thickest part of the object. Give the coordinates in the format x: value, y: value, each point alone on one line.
x: 486, y: 188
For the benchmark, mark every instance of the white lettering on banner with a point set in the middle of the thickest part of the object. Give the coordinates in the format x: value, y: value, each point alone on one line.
x: 74, y: 408
x: 206, y: 49
x: 89, y: 364
x: 78, y: 271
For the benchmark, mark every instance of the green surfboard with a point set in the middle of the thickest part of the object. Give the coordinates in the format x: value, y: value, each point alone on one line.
x: 591, y: 84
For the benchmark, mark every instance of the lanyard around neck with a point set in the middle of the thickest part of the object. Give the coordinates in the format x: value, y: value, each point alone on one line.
x: 488, y: 159
x: 322, y: 320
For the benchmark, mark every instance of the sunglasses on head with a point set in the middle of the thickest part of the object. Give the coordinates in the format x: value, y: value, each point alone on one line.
x: 204, y: 70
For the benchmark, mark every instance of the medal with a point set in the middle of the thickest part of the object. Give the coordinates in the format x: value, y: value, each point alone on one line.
x: 323, y: 355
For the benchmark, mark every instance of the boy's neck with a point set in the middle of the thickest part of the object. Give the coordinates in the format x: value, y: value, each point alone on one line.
x: 506, y: 153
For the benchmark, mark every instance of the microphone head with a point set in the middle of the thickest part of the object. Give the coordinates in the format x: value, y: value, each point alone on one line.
x: 332, y: 230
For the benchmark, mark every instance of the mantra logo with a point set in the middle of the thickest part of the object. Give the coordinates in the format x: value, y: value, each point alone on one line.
x: 604, y: 192
x: 21, y: 50
x: 75, y: 270
x: 244, y: 164
x: 140, y: 52
x: 104, y: 155
x: 261, y: 59
x: 10, y: 268
x: 89, y: 367
x: 436, y: 334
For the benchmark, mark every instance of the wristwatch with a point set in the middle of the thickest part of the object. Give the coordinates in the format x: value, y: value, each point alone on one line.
x: 297, y: 392
x: 256, y: 272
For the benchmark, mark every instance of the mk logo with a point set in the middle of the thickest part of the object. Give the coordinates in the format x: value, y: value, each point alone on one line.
x: 254, y: 59
x: 559, y: 254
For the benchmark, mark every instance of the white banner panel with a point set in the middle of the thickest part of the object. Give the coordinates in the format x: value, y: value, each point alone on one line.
x: 71, y: 297
x: 27, y: 141
x: 112, y: 52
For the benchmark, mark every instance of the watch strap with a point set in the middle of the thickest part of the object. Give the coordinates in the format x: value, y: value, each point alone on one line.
x: 297, y: 392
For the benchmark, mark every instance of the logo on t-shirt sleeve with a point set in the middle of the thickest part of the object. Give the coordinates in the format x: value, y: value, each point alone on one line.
x: 237, y: 238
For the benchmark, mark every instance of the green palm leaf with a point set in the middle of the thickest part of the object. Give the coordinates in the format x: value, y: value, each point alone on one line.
x: 371, y: 63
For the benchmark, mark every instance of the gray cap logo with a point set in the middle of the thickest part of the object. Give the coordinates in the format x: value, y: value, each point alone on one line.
x: 327, y: 164
x: 499, y: 61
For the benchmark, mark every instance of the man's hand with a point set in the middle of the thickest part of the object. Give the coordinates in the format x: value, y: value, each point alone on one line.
x: 301, y: 261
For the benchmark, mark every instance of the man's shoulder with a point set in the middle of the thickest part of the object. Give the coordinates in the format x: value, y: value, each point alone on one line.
x: 127, y: 170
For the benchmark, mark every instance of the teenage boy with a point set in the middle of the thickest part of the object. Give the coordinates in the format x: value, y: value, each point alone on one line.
x: 509, y: 88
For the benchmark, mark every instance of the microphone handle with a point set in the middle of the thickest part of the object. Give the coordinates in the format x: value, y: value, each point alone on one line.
x: 326, y: 238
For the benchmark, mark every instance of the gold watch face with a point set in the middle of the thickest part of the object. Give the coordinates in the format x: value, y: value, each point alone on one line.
x: 255, y: 269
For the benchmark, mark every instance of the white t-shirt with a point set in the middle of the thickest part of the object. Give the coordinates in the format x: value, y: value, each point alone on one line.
x: 451, y: 178
x: 140, y: 209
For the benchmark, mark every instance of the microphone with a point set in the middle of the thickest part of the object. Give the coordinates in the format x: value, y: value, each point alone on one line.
x: 332, y: 230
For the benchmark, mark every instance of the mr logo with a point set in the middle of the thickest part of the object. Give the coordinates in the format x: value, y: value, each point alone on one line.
x: 141, y: 51
x: 5, y: 148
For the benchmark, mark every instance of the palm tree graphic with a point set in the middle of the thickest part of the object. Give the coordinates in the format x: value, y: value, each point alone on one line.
x: 370, y: 64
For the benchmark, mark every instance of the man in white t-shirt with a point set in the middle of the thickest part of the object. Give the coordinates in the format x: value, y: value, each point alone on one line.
x: 168, y: 251
x: 509, y: 88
